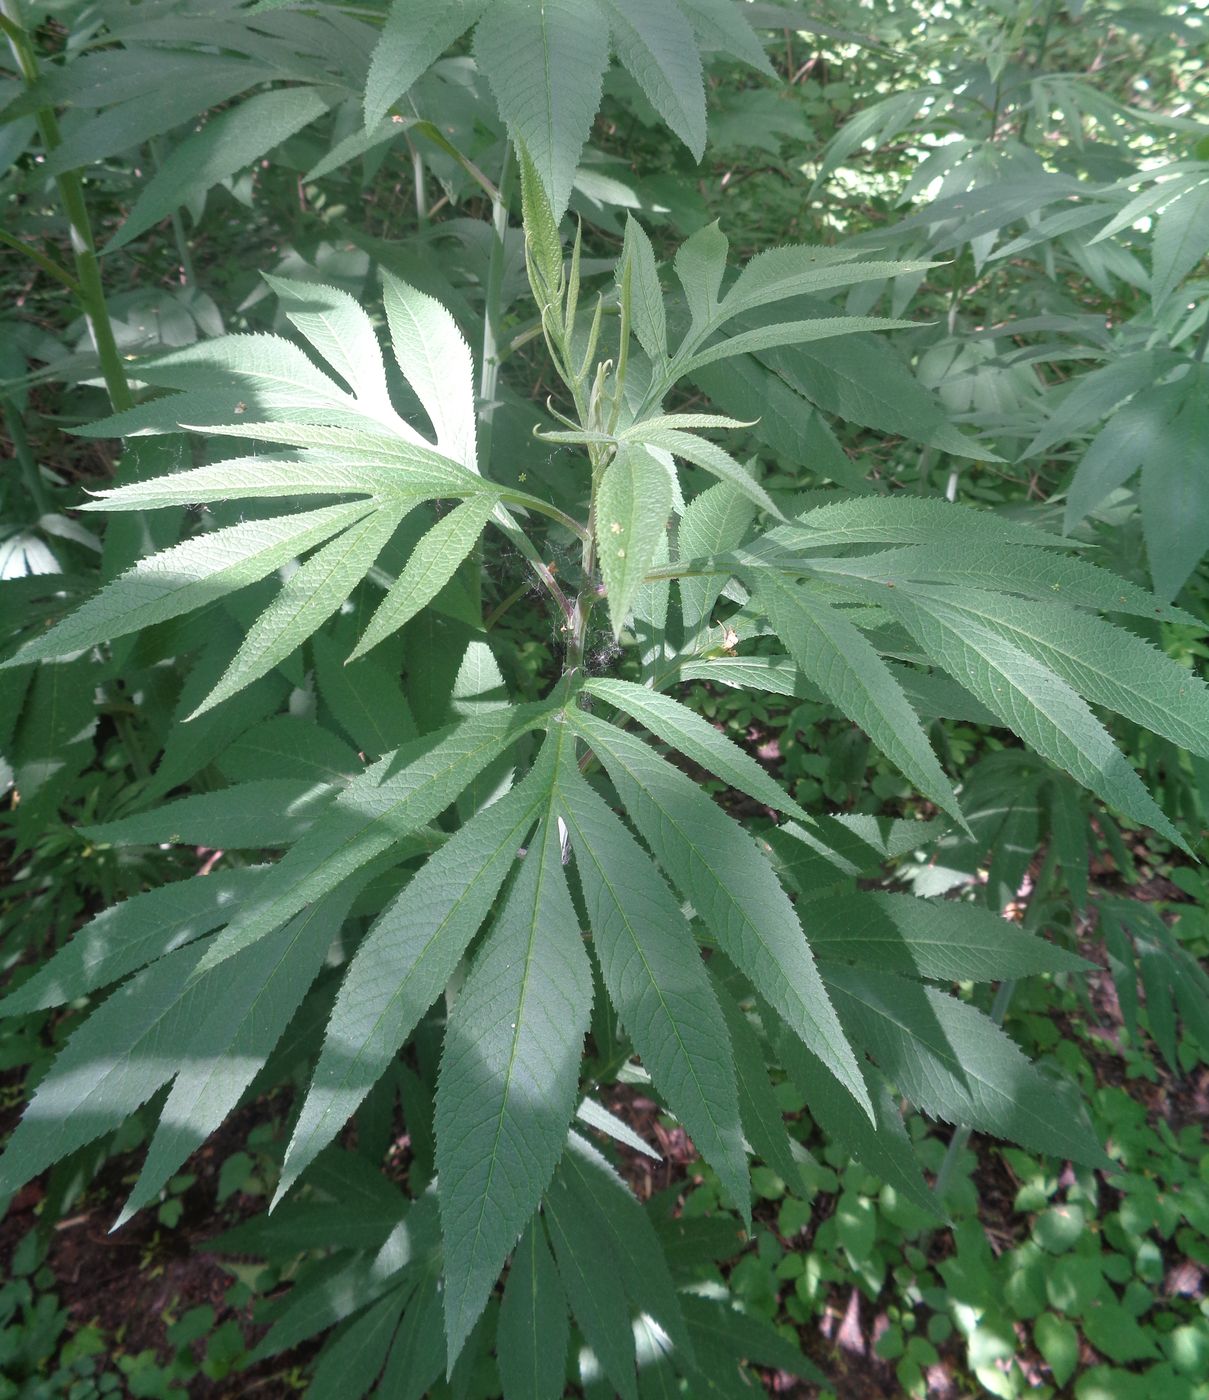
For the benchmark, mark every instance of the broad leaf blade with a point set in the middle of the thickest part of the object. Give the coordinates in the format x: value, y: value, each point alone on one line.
x: 533, y: 1332
x: 632, y: 508
x: 430, y: 566
x: 404, y: 962
x: 509, y: 1076
x: 545, y: 61
x: 719, y: 867
x: 656, y: 980
x: 834, y: 654
x: 188, y: 576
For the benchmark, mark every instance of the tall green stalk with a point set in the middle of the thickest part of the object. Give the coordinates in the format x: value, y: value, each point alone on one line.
x: 489, y: 368
x: 90, y: 293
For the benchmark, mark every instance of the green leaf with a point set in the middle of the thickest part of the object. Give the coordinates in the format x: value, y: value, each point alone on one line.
x: 541, y: 230
x: 1181, y: 241
x: 437, y: 363
x: 430, y: 566
x: 593, y: 1191
x: 1108, y: 665
x: 190, y: 748
x: 415, y: 35
x: 903, y: 519
x: 657, y: 982
x: 734, y: 1333
x: 263, y: 987
x: 246, y: 816
x: 509, y: 1078
x: 365, y: 699
x: 861, y: 379
x: 705, y: 454
x: 789, y: 333
x: 127, y: 1049
x: 763, y: 1123
x: 697, y: 739
x: 404, y: 962
x: 1175, y: 499
x: 533, y: 1331
x: 308, y: 598
x: 1029, y: 698
x: 1134, y: 435
x: 593, y: 1115
x: 1058, y: 1342
x: 340, y: 330
x: 352, y: 1359
x: 595, y: 1293
x: 416, y: 1356
x: 129, y: 935
x: 207, y: 82
x: 227, y: 143
x: 838, y: 659
x: 780, y: 273
x: 410, y: 476
x: 1007, y: 568
x: 700, y: 264
x: 884, y: 1147
x: 655, y: 42
x: 545, y: 61
x: 647, y: 313
x: 188, y: 576
x: 633, y: 503
x: 379, y: 809
x: 956, y: 1064
x: 943, y: 939
x: 719, y: 25
x: 712, y: 523
x: 722, y: 870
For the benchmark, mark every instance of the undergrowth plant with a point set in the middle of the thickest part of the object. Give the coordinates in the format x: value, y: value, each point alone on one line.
x: 497, y: 903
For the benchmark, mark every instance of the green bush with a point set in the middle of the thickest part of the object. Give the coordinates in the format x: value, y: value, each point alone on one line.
x: 430, y: 561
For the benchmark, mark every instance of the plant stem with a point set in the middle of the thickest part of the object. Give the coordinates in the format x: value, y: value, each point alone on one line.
x: 91, y: 293
x: 48, y: 265
x: 489, y: 369
x: 30, y: 474
x: 178, y: 227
